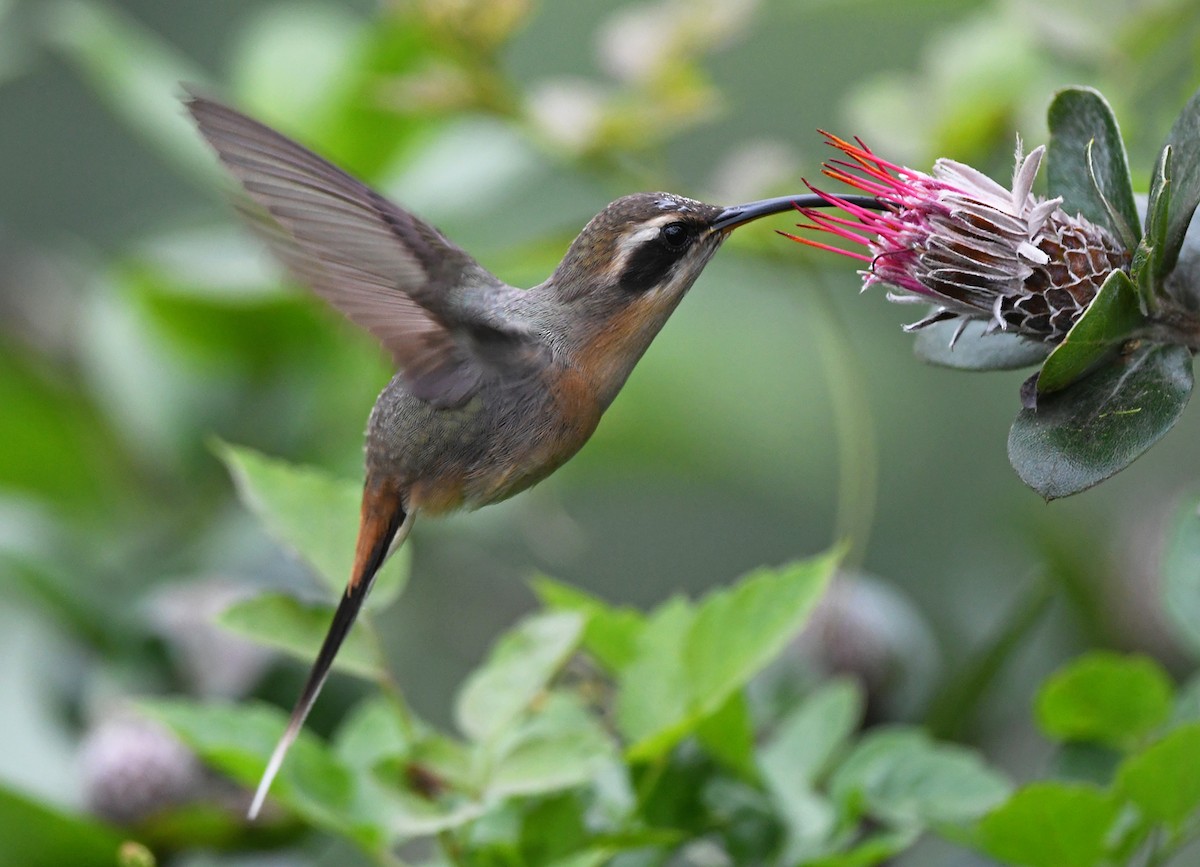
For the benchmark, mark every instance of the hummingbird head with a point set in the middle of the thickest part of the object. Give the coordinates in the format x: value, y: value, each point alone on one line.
x: 628, y: 270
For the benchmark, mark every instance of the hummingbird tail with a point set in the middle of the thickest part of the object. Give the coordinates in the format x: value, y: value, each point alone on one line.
x: 383, y: 529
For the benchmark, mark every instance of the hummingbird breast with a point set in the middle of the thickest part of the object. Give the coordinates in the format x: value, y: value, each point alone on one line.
x: 507, y: 437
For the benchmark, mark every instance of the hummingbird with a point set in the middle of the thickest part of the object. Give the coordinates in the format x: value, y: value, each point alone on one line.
x: 496, y: 386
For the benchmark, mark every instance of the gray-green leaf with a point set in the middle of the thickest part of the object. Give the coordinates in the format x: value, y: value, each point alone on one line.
x: 1080, y: 436
x: 1087, y: 165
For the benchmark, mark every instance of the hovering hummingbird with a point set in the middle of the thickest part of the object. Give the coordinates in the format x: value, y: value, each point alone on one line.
x: 497, y: 386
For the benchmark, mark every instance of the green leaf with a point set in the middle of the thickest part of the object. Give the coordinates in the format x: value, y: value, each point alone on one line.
x: 410, y: 815
x: 611, y: 634
x: 1181, y: 573
x: 806, y: 740
x: 1184, y: 142
x: 1050, y: 825
x: 376, y: 730
x: 975, y: 349
x: 1082, y: 435
x: 360, y: 131
x: 561, y: 745
x: 798, y: 753
x: 1111, y: 318
x: 728, y: 736
x: 1164, y: 779
x: 238, y: 740
x: 1087, y: 165
x: 38, y: 835
x: 586, y: 858
x: 901, y: 777
x: 738, y: 630
x: 518, y: 670
x: 875, y: 849
x: 285, y: 623
x: 68, y: 452
x: 314, y: 514
x: 553, y: 831
x: 654, y: 695
x: 691, y: 659
x: 1105, y: 697
x: 430, y: 789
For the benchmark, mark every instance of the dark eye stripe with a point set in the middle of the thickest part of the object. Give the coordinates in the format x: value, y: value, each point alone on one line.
x: 651, y: 262
x: 647, y: 266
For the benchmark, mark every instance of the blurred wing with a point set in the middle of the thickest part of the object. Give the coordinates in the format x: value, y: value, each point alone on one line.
x: 384, y: 268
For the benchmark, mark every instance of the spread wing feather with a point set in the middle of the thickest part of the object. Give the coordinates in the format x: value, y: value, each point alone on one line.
x: 384, y: 268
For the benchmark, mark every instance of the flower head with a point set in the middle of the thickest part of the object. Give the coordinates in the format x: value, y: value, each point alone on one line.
x: 961, y: 241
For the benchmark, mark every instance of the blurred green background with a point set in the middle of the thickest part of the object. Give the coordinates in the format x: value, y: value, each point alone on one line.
x: 777, y: 412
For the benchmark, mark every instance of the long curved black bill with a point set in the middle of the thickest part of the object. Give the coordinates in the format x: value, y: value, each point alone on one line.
x: 738, y: 215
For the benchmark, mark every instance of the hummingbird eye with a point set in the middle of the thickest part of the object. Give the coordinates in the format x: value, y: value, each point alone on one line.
x: 675, y: 236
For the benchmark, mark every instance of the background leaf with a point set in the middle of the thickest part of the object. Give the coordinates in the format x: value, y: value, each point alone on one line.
x: 315, y: 515
x: 1105, y: 697
x: 805, y: 742
x: 1050, y: 825
x: 517, y: 670
x: 237, y: 740
x: 903, y: 778
x: 738, y: 630
x: 38, y: 835
x: 654, y: 696
x: 691, y: 660
x: 1081, y: 119
x: 874, y: 849
x: 611, y: 633
x: 1164, y: 779
x: 285, y: 623
x: 561, y: 745
x: 1101, y: 424
x: 728, y: 735
x: 375, y: 730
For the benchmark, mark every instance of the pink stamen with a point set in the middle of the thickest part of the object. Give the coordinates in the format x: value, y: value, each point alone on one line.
x: 823, y: 223
x: 820, y: 246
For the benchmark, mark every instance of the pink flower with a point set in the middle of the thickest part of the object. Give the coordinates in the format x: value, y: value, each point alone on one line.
x: 961, y: 241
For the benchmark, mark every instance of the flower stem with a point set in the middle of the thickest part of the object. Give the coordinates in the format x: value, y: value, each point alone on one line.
x: 1173, y: 325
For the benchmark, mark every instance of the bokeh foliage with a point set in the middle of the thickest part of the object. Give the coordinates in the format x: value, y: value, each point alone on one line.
x: 778, y: 411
